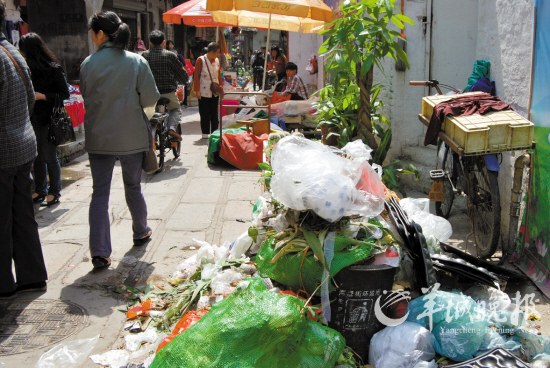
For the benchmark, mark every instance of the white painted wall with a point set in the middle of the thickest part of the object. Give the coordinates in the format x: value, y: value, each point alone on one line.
x: 402, y: 102
x: 301, y: 47
x: 500, y: 31
x: 505, y: 38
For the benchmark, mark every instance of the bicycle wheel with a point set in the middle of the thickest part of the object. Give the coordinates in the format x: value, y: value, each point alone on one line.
x: 159, y: 144
x: 176, y: 145
x: 483, y: 205
x: 450, y: 166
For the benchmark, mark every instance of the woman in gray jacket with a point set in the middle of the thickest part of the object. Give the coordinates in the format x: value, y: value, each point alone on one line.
x: 116, y: 85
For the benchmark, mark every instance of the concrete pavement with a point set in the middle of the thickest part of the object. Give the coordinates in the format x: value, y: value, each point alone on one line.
x: 188, y: 200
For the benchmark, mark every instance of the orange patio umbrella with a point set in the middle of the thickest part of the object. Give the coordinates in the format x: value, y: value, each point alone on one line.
x: 313, y: 9
x: 311, y: 15
x: 191, y: 13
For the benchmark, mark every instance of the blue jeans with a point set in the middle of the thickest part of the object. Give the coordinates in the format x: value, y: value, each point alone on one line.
x: 46, y: 163
x: 19, y: 240
x: 102, y: 173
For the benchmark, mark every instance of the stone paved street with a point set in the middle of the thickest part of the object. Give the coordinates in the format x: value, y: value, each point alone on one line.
x: 188, y: 200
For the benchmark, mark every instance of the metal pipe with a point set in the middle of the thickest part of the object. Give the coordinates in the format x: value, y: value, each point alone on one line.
x: 267, y: 48
x: 521, y: 163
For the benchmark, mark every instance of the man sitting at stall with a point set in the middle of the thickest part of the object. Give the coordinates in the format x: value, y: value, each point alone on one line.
x: 295, y: 86
x: 168, y: 71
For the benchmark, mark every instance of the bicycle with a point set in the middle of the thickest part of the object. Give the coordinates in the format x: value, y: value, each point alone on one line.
x: 472, y: 176
x: 162, y: 141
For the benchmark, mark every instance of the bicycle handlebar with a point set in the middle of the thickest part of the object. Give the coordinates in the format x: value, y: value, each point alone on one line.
x: 432, y: 83
x: 419, y: 83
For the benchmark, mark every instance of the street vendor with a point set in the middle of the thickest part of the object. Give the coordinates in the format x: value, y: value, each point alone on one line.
x: 295, y: 86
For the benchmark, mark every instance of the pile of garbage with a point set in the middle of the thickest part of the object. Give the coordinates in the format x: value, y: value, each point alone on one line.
x: 274, y: 297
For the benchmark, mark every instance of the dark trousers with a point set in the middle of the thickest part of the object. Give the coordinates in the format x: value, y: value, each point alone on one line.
x: 99, y: 219
x: 208, y: 110
x: 46, y: 163
x: 19, y: 240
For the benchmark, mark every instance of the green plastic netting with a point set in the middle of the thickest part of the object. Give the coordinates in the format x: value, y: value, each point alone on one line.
x: 254, y: 328
x: 289, y: 270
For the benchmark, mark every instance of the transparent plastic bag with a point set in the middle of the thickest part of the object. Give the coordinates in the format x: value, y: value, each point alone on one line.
x: 358, y: 150
x: 67, y: 355
x: 418, y: 210
x: 310, y: 176
x: 402, y: 346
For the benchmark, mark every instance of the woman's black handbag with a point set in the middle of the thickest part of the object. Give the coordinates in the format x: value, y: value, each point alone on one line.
x: 61, y: 127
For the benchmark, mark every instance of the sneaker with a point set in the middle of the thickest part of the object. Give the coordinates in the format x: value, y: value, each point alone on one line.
x: 205, y: 136
x: 174, y: 134
x: 33, y: 287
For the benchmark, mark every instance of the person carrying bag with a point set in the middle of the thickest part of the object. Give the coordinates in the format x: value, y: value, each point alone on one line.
x: 50, y: 121
x: 61, y: 129
x: 207, y: 90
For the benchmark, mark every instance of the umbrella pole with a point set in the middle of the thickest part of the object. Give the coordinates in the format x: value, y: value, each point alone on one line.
x: 217, y: 34
x: 266, y: 51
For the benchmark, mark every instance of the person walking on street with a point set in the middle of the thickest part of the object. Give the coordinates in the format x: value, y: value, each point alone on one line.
x: 50, y: 85
x: 168, y: 72
x: 116, y: 85
x: 20, y: 243
x: 208, y: 71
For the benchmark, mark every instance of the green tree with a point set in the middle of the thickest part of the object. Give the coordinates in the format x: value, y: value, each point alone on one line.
x: 366, y: 32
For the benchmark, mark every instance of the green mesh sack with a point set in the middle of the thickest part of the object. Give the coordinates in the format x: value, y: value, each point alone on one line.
x: 214, y: 142
x: 254, y: 328
x: 306, y: 275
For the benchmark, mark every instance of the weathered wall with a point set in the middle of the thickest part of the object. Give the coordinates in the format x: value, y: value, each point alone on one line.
x: 301, y: 47
x: 402, y: 102
x: 500, y: 31
x: 505, y: 38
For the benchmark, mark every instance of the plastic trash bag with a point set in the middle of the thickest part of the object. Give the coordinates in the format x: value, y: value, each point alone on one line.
x: 532, y: 344
x: 67, y: 355
x: 541, y: 361
x: 457, y: 323
x: 112, y: 359
x: 402, y: 346
x: 298, y: 272
x: 254, y: 328
x: 134, y: 341
x: 492, y: 340
x: 310, y: 176
x: 240, y: 246
x: 434, y: 226
x: 358, y: 150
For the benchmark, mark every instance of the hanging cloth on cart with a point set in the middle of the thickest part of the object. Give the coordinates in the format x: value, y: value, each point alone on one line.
x: 461, y: 106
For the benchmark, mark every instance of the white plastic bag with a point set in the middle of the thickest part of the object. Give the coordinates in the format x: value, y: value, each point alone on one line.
x: 112, y: 359
x: 240, y: 246
x: 67, y: 355
x: 418, y: 210
x: 402, y: 346
x: 310, y: 176
x: 358, y: 150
